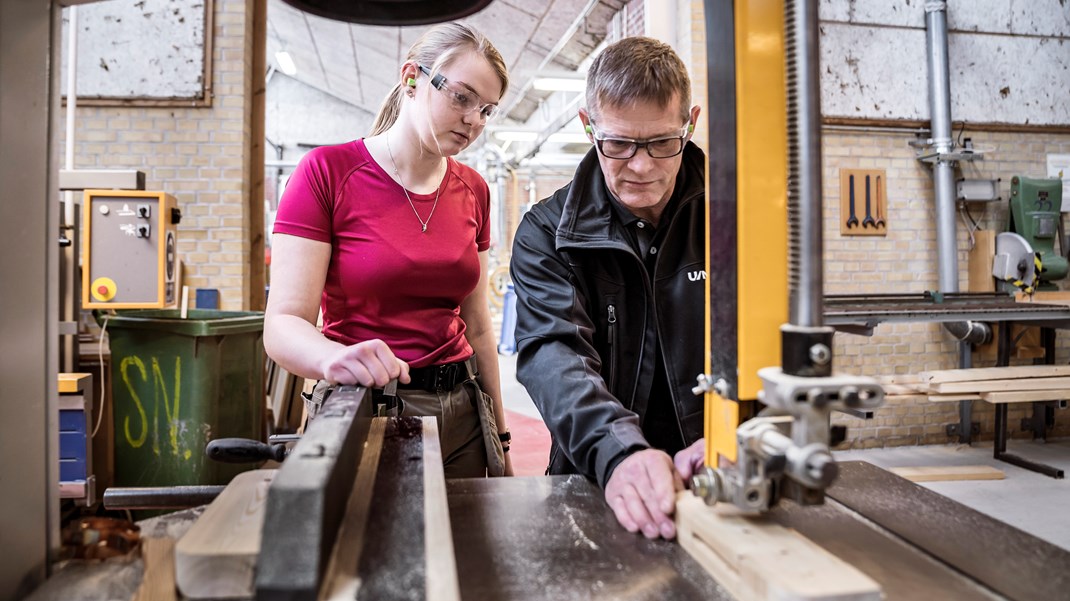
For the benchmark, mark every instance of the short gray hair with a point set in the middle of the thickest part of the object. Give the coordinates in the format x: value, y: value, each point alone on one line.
x: 637, y: 69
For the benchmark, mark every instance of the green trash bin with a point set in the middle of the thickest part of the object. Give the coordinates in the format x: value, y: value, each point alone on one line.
x: 178, y: 384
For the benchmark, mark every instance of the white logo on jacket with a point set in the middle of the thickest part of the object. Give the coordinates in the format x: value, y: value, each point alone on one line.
x: 695, y: 276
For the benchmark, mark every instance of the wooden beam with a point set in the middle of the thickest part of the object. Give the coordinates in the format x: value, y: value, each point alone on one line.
x: 158, y: 583
x: 442, y: 583
x: 217, y: 556
x: 948, y: 398
x: 1059, y: 383
x: 754, y: 558
x: 341, y: 580
x: 948, y: 472
x: 1026, y: 396
x: 994, y: 373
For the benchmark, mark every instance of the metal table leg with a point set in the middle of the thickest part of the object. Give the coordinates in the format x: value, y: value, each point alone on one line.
x: 999, y: 447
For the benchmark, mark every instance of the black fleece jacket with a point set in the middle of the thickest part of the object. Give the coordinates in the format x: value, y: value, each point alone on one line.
x: 589, y: 318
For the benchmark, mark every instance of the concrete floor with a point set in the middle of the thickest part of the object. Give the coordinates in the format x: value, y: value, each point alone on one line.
x: 1026, y: 500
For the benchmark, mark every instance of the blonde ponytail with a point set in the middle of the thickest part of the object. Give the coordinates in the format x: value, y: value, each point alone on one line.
x: 388, y: 111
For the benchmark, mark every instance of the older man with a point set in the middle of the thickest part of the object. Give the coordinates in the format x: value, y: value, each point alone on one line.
x: 609, y: 279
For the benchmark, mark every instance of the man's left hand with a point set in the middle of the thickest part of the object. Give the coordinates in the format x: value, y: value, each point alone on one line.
x: 689, y: 460
x: 642, y: 493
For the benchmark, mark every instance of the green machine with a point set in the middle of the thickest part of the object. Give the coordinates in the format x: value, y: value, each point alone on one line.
x: 1035, y: 220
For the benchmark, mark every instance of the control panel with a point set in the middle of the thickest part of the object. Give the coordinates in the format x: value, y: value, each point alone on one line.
x: 129, y: 249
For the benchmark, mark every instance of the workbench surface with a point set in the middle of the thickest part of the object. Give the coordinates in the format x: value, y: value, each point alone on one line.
x: 554, y: 538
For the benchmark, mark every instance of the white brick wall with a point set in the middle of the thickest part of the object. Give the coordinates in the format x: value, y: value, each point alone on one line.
x: 196, y: 154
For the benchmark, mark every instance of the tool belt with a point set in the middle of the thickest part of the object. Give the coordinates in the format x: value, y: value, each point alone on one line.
x: 440, y: 378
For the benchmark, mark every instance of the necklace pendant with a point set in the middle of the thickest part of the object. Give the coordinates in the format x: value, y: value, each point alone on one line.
x: 424, y: 229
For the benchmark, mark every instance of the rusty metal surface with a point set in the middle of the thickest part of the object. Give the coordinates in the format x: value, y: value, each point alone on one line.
x: 554, y: 538
x: 903, y: 572
x: 1003, y: 558
x: 393, y: 562
x: 873, y: 309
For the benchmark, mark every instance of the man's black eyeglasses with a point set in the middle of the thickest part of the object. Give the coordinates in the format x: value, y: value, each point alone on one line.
x: 463, y: 102
x: 625, y: 148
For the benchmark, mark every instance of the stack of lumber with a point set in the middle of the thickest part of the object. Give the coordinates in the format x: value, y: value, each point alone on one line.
x: 1020, y: 384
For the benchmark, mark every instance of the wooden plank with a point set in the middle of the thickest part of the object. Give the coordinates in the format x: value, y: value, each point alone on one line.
x: 941, y: 473
x: 442, y: 583
x: 158, y: 583
x: 949, y: 398
x: 892, y: 389
x: 1060, y: 383
x: 73, y: 383
x: 1026, y: 396
x: 341, y: 581
x: 995, y: 373
x: 757, y: 559
x: 980, y: 262
x: 905, y: 398
x: 1045, y: 297
x: 217, y: 556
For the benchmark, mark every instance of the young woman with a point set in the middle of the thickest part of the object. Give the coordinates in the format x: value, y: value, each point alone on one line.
x: 388, y: 235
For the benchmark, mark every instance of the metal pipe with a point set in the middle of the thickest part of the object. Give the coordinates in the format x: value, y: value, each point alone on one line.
x: 163, y: 497
x: 806, y: 278
x: 944, y: 169
x: 72, y: 107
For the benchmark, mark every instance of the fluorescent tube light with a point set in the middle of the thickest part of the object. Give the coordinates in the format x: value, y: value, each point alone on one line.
x: 286, y: 62
x: 559, y: 84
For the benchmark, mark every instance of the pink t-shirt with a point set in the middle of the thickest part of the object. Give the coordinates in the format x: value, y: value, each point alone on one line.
x: 386, y: 279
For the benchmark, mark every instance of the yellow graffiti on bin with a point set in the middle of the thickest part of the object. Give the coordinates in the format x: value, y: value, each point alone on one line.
x: 172, y: 416
x: 159, y: 390
x: 137, y: 401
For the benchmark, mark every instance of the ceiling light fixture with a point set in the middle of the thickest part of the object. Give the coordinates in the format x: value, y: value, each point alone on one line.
x: 565, y: 137
x: 506, y: 135
x: 560, y: 84
x: 286, y: 63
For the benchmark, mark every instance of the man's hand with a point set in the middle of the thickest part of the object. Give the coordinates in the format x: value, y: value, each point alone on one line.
x: 642, y: 493
x: 689, y: 460
x: 370, y: 363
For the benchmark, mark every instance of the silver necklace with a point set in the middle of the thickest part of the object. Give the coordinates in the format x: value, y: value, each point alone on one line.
x: 423, y: 222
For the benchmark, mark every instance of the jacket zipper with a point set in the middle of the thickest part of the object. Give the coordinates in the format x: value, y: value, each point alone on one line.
x: 611, y: 340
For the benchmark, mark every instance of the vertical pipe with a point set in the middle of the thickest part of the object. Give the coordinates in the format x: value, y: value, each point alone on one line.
x: 804, y: 163
x: 943, y: 170
x: 72, y: 106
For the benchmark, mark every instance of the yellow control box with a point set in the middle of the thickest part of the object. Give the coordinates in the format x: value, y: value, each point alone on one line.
x: 129, y: 249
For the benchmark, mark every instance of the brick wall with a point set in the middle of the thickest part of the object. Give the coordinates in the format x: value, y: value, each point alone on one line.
x: 904, y: 261
x: 196, y: 154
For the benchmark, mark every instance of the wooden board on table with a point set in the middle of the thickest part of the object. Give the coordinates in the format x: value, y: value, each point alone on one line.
x: 217, y: 557
x: 158, y: 583
x: 994, y: 373
x: 1044, y: 297
x: 757, y: 559
x: 73, y: 383
x: 980, y: 259
x: 1058, y: 383
x: 901, y: 389
x: 952, y: 398
x: 1026, y: 396
x: 939, y: 473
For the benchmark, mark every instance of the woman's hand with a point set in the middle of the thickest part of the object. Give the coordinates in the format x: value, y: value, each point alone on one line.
x: 508, y: 466
x: 370, y: 363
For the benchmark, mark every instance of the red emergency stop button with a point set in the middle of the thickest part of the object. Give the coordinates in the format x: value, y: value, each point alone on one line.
x: 103, y: 289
